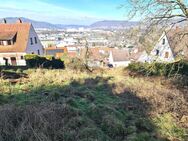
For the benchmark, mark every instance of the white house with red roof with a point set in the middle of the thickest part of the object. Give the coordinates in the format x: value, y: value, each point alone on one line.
x: 17, y: 40
x: 119, y: 58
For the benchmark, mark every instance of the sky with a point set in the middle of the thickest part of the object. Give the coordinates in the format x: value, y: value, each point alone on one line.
x: 83, y: 12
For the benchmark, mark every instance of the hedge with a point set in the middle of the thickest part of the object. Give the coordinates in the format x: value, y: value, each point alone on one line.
x: 160, y: 69
x: 35, y: 61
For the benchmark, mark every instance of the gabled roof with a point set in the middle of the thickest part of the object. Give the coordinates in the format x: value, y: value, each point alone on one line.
x: 120, y: 55
x: 7, y: 31
x: 96, y: 53
x: 178, y: 40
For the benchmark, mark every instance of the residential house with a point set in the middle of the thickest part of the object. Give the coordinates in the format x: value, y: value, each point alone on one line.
x: 73, y: 50
x: 58, y: 51
x: 119, y: 58
x: 96, y: 56
x: 171, y: 45
x: 143, y: 57
x: 55, y: 51
x: 17, y: 40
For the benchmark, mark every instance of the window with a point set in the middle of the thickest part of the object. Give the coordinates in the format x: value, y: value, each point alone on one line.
x: 14, y: 39
x: 31, y: 40
x: 9, y: 42
x: 163, y: 41
x: 38, y: 52
x: 157, y: 52
x: 1, y: 42
x: 13, y: 61
x: 35, y: 40
x: 166, y: 54
x: 21, y: 57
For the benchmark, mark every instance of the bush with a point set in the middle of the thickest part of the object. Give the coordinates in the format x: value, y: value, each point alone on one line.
x: 160, y: 69
x: 35, y: 61
x: 168, y: 127
x: 75, y: 64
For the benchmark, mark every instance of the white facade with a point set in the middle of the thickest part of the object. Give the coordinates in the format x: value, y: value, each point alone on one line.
x: 144, y: 57
x: 118, y: 63
x: 33, y: 46
x: 162, y: 51
x: 20, y: 61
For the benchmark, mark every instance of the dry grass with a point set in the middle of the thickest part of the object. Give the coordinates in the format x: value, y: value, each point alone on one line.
x: 104, y: 105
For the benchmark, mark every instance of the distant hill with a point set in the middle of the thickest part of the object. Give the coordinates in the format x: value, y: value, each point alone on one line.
x: 97, y: 25
x: 114, y: 24
x: 36, y: 24
x: 41, y: 24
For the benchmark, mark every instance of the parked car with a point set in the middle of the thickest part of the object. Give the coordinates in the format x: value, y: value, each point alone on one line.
x: 110, y: 66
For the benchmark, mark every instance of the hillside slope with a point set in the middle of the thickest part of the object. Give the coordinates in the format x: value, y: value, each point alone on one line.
x: 107, y: 105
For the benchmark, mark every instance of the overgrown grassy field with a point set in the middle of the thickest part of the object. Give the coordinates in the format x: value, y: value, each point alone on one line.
x: 106, y: 105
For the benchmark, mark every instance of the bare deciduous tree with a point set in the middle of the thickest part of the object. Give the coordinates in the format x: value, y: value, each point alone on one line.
x: 159, y: 12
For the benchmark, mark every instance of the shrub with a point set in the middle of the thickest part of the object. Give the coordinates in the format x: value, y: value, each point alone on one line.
x: 35, y: 61
x: 54, y: 64
x: 75, y: 64
x: 49, y: 57
x: 160, y: 69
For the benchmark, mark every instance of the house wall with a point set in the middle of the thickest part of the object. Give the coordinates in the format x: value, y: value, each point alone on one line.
x: 118, y: 63
x: 162, y: 49
x: 30, y: 49
x: 33, y: 49
x: 19, y: 60
x: 48, y: 43
x: 111, y: 60
x: 144, y: 57
x: 121, y: 63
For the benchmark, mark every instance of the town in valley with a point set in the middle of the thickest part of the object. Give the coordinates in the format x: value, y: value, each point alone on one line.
x: 94, y: 70
x: 108, y: 45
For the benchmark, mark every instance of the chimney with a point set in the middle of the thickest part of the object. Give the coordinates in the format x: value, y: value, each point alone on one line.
x: 19, y: 21
x: 4, y: 21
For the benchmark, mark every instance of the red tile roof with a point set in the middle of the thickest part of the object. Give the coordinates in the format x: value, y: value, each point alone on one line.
x: 56, y: 48
x: 95, y: 53
x: 22, y: 30
x: 4, y: 36
x: 120, y: 55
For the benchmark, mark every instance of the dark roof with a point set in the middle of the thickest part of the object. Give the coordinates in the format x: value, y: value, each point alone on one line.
x: 5, y: 36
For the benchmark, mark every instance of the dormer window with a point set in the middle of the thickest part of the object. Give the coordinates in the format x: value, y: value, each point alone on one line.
x: 164, y: 41
x: 7, y: 38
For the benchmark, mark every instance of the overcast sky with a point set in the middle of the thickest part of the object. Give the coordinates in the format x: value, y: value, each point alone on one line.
x: 64, y: 11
